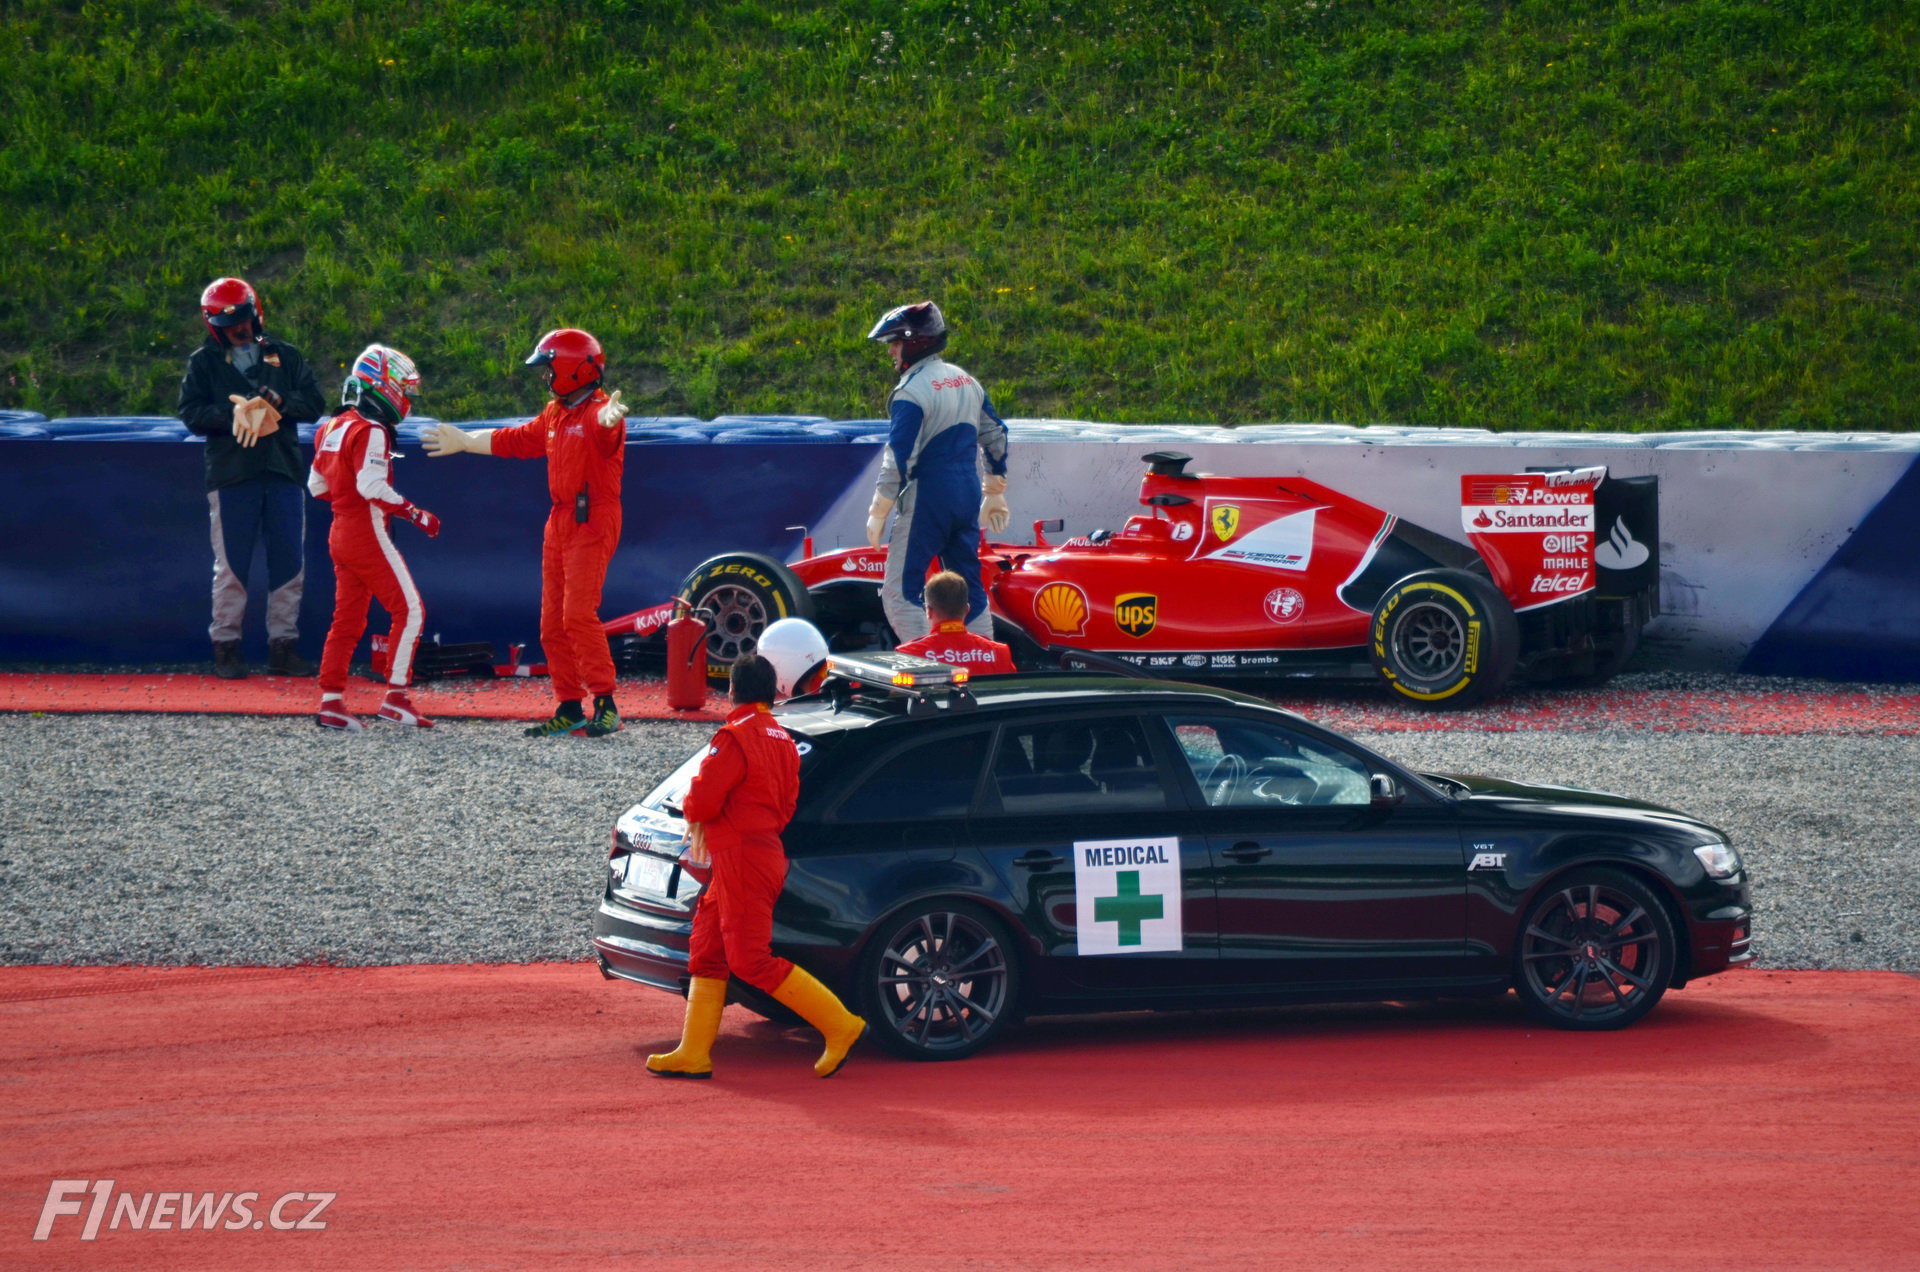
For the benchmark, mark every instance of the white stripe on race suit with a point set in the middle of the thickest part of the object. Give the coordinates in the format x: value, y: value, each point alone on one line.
x: 401, y: 667
x: 229, y: 588
x: 371, y: 481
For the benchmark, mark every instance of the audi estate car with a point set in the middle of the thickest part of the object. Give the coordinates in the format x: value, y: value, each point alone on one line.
x: 963, y: 856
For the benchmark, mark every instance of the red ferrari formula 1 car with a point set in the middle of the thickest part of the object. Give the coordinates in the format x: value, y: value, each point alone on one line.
x: 1270, y: 577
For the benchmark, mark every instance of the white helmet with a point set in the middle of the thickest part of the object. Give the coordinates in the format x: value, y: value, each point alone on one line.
x: 796, y: 649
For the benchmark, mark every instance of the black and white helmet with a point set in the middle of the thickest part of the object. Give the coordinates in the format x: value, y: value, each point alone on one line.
x: 919, y: 327
x: 797, y: 651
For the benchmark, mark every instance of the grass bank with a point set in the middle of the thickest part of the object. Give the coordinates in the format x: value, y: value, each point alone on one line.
x: 1556, y: 214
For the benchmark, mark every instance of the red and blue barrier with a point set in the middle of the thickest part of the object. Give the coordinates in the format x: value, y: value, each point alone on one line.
x: 1782, y: 553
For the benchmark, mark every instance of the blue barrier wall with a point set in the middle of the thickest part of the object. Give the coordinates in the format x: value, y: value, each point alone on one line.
x: 1781, y: 553
x: 1860, y: 616
x: 107, y: 555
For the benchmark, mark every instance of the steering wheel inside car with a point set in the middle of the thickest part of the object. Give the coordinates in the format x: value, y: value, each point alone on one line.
x: 1223, y: 781
x: 1281, y: 783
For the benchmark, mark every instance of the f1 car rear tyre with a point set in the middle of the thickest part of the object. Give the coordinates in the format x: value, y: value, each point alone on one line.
x: 1596, y: 950
x: 1444, y: 639
x: 743, y: 593
x: 939, y: 981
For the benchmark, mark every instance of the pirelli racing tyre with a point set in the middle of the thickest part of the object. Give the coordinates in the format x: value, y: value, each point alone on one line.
x: 939, y: 981
x: 1444, y: 639
x: 742, y: 594
x: 1596, y: 950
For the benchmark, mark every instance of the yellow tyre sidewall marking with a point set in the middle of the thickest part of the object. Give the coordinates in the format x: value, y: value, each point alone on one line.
x: 1471, y: 663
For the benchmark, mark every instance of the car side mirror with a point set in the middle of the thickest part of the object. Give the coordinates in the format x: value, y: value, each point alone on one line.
x: 1384, y: 790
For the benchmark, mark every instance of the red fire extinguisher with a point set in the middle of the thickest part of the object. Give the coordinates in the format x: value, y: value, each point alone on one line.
x: 687, y: 658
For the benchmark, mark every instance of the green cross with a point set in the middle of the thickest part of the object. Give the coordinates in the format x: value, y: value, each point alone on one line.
x: 1128, y: 908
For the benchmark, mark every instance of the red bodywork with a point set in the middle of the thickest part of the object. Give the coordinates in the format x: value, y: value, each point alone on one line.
x: 1222, y: 566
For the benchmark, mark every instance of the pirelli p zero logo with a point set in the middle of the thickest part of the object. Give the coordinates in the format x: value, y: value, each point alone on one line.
x: 1136, y: 612
x: 741, y: 567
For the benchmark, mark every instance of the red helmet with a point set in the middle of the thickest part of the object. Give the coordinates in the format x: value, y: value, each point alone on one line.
x: 227, y: 302
x: 573, y: 357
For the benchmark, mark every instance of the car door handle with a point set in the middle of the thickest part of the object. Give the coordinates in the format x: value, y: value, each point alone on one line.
x: 1246, y: 851
x: 1038, y: 859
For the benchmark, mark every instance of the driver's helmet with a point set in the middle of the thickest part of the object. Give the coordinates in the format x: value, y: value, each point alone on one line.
x: 919, y: 327
x: 573, y: 358
x: 227, y: 302
x: 381, y: 384
x: 798, y: 653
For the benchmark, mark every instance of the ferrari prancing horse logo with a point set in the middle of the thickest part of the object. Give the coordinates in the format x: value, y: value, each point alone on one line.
x: 1226, y: 520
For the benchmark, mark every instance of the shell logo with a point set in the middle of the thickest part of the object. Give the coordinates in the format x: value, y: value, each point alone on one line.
x: 1063, y: 608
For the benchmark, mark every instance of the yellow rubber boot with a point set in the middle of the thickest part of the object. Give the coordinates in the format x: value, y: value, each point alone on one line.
x: 816, y: 1005
x: 693, y: 1058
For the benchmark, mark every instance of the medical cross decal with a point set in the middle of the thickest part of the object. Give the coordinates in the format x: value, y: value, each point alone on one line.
x: 1128, y: 907
x: 1127, y: 896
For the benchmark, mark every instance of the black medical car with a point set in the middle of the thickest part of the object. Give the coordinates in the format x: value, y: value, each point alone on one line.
x: 966, y: 855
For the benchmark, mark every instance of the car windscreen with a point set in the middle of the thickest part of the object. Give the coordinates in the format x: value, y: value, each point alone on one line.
x: 1243, y: 764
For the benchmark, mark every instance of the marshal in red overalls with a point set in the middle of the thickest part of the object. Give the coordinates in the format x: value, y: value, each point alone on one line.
x: 744, y: 793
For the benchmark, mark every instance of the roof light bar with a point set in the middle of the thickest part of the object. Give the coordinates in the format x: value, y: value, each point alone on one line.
x: 909, y: 675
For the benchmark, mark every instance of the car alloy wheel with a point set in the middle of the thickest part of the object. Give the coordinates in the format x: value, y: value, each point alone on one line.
x: 939, y: 981
x: 1596, y: 951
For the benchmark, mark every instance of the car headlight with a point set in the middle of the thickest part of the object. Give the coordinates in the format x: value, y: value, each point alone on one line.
x: 1720, y: 860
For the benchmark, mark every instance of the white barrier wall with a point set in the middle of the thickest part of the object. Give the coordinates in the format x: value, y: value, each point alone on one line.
x: 1742, y: 531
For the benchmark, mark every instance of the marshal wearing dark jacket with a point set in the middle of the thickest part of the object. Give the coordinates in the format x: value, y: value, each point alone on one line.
x: 256, y: 477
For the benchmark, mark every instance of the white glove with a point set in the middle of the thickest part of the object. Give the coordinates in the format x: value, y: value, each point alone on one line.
x: 253, y: 419
x: 994, y: 513
x: 877, y: 518
x: 695, y: 853
x: 448, y: 440
x: 613, y: 412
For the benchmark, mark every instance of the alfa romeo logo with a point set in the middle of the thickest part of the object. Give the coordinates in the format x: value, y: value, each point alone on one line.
x: 1283, y: 605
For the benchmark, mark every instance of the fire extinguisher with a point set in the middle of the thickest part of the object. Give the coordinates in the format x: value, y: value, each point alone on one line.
x: 687, y: 658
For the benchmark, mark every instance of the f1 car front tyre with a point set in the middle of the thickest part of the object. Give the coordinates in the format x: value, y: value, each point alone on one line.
x: 939, y: 981
x: 1444, y: 639
x: 742, y: 593
x: 1595, y: 951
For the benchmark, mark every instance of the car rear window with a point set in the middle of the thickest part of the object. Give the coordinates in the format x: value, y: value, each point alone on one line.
x: 1075, y: 766
x: 673, y: 789
x: 933, y: 779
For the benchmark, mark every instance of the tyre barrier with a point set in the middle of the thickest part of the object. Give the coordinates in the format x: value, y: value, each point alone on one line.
x: 1824, y: 585
x: 102, y: 425
x: 757, y: 434
x: 23, y: 425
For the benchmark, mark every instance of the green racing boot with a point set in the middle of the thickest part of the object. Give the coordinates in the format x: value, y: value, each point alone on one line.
x: 606, y: 718
x: 567, y: 719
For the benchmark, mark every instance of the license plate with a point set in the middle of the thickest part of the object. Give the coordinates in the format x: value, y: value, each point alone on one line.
x: 649, y: 874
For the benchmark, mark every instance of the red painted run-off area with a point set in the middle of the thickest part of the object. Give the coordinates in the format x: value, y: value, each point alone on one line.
x: 643, y: 697
x: 496, y: 1117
